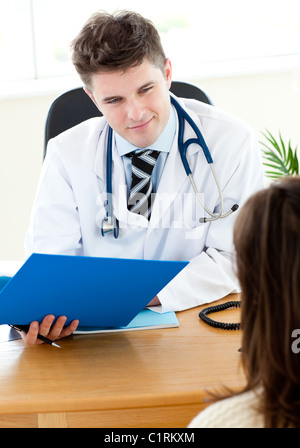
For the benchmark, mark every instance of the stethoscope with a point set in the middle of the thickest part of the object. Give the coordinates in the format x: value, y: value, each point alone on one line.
x: 111, y: 224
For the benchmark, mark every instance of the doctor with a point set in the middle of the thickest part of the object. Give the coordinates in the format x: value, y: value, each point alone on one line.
x: 125, y: 72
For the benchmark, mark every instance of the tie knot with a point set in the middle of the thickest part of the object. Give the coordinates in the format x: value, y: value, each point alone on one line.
x: 144, y: 160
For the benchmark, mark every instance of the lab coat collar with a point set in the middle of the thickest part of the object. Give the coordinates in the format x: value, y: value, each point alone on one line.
x: 189, y: 133
x: 174, y: 174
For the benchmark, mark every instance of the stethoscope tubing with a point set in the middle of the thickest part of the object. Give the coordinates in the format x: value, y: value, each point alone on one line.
x: 183, y: 115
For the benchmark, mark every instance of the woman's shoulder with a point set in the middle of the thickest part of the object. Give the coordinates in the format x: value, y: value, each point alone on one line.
x: 238, y: 411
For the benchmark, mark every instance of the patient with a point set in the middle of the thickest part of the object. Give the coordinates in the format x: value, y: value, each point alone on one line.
x: 267, y: 243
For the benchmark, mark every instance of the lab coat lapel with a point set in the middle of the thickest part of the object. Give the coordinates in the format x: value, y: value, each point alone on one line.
x: 174, y: 175
x: 100, y: 157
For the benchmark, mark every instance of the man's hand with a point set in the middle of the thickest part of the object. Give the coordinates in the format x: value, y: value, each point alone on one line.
x: 52, y: 332
x: 154, y: 302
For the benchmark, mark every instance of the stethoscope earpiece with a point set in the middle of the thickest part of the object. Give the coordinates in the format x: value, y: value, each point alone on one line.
x: 233, y: 209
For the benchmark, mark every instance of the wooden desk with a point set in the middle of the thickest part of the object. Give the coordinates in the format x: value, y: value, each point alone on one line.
x: 149, y: 378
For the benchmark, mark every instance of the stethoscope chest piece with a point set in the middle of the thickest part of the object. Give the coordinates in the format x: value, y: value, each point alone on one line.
x: 110, y: 225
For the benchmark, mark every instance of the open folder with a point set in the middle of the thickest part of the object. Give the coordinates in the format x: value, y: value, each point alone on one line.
x: 106, y: 292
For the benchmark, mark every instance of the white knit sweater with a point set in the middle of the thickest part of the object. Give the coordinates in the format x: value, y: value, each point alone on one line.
x: 234, y: 412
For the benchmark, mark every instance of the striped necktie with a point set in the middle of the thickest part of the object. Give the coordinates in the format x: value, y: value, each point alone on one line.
x: 141, y: 191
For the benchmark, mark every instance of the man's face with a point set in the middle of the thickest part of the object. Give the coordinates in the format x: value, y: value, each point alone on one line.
x: 135, y: 103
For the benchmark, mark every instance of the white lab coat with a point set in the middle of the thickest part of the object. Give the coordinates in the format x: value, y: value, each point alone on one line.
x: 70, y: 204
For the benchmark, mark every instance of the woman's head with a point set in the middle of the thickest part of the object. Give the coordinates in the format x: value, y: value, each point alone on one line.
x: 267, y: 243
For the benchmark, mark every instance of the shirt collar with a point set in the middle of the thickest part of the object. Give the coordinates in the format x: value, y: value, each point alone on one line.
x: 163, y: 143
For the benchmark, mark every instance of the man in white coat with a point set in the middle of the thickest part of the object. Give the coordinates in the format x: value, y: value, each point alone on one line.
x: 126, y: 73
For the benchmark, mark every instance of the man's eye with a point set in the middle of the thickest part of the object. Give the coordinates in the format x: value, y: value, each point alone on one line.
x: 113, y: 101
x: 146, y: 89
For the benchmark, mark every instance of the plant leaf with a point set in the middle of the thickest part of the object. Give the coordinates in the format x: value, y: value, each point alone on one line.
x: 280, y: 158
x: 283, y: 146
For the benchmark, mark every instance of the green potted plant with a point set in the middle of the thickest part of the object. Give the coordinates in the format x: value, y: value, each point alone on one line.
x: 280, y: 159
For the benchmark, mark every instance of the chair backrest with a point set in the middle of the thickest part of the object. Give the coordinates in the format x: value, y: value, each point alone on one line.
x: 75, y: 106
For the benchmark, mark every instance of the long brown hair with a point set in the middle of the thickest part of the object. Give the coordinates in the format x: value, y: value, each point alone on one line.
x: 110, y: 42
x: 267, y: 243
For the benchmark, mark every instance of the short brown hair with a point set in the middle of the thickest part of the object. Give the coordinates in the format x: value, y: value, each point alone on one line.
x: 110, y: 42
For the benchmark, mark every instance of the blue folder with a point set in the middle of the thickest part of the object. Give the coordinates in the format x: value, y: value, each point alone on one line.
x: 106, y: 292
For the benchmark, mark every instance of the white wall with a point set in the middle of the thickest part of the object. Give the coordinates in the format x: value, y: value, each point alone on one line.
x: 264, y: 101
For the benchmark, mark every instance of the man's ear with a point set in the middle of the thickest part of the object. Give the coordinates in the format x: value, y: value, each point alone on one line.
x: 90, y: 95
x: 168, y: 72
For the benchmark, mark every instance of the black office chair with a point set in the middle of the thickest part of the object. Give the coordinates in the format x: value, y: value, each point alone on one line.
x: 75, y: 106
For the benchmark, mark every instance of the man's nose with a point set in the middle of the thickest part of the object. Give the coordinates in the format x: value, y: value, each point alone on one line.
x: 135, y: 110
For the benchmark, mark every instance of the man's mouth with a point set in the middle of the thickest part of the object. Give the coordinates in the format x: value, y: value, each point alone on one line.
x: 141, y: 126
